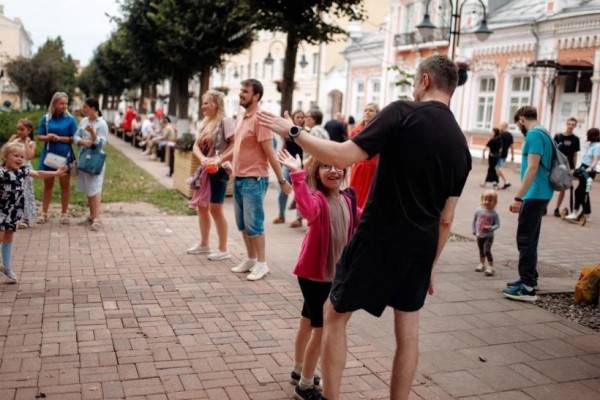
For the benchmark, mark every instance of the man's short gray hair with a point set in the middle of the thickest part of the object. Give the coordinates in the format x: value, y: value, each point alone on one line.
x: 442, y: 72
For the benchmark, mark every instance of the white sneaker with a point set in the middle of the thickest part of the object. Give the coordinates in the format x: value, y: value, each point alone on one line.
x: 573, y: 216
x: 198, y: 249
x: 244, y: 266
x: 219, y: 256
x: 259, y: 271
x: 10, y: 275
x: 480, y: 268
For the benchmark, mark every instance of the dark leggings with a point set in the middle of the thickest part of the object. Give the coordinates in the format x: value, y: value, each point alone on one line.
x: 485, y: 248
x: 581, y: 197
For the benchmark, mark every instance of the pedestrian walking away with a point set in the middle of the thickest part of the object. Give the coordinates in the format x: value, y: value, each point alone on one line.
x: 494, y: 145
x: 530, y: 201
x: 507, y: 144
x: 423, y: 165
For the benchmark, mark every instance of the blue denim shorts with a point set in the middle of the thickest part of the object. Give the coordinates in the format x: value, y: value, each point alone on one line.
x: 249, y: 194
x: 501, y: 163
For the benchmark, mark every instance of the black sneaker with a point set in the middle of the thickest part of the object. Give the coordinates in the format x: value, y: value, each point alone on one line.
x: 295, y: 379
x: 557, y: 213
x: 307, y: 394
x: 506, y: 185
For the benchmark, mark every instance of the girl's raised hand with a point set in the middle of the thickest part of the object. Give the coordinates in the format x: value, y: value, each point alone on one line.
x: 286, y: 159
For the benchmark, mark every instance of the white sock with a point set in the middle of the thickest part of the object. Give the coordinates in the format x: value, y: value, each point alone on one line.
x: 306, y: 383
x: 298, y: 368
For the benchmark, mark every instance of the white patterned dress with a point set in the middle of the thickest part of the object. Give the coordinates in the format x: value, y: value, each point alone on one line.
x: 12, y: 198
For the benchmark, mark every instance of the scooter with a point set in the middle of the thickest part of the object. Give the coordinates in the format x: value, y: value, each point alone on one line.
x: 582, y: 218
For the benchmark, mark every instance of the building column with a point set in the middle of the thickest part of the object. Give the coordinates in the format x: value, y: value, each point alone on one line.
x: 594, y: 119
x: 388, y: 52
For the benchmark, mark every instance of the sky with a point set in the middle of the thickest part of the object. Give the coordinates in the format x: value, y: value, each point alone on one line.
x: 82, y: 24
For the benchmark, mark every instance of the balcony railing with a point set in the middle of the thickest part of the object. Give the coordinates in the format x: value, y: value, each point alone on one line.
x: 412, y: 38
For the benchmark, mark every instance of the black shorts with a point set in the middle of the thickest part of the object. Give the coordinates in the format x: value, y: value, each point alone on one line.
x: 315, y: 294
x: 218, y: 186
x: 373, y: 274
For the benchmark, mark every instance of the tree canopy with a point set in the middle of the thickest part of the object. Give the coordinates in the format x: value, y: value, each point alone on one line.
x: 50, y: 70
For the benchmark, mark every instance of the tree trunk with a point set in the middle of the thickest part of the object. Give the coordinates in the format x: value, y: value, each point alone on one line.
x: 289, y: 70
x: 153, y: 95
x: 173, y: 97
x: 104, y: 101
x: 145, y: 93
x: 183, y: 95
x: 204, y: 83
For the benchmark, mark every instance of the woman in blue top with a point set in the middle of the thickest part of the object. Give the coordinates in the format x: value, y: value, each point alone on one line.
x: 56, y: 130
x: 586, y: 174
x: 92, y: 133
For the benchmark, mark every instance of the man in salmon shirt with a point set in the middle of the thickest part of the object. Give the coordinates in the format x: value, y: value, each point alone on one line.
x: 252, y: 153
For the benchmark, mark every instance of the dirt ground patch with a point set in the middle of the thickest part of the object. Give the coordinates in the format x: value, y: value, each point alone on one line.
x: 117, y: 209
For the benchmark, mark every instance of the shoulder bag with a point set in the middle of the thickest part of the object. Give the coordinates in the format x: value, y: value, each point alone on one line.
x: 53, y: 160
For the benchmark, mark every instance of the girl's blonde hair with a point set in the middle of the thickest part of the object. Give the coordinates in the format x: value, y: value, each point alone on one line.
x: 207, y: 126
x: 9, y: 148
x: 490, y: 194
x: 55, y: 97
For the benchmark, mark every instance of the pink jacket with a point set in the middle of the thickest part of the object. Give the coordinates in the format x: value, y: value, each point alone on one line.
x: 312, y: 261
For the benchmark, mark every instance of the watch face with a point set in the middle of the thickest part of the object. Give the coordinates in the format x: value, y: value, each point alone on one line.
x: 294, y: 131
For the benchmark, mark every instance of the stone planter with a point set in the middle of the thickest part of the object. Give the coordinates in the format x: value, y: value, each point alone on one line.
x: 185, y: 165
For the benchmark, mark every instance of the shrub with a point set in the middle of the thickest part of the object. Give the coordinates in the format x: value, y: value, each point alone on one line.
x: 185, y: 142
x: 8, y: 122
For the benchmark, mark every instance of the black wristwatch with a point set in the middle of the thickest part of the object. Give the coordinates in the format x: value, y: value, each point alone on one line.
x: 520, y: 200
x: 294, y: 132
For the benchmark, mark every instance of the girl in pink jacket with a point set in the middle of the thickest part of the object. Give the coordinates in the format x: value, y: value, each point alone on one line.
x: 332, y: 216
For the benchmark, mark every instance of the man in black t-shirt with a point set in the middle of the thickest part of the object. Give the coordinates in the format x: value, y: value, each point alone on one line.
x: 507, y: 143
x: 423, y: 165
x: 568, y: 144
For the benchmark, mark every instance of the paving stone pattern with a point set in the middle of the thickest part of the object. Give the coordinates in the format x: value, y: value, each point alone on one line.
x: 125, y: 313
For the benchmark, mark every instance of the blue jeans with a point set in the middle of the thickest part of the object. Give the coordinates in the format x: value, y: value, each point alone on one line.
x: 283, y: 198
x: 249, y: 194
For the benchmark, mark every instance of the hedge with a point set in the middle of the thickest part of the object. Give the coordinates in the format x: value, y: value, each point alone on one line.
x: 8, y: 122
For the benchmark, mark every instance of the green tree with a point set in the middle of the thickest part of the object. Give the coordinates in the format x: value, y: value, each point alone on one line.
x: 48, y: 71
x: 311, y: 21
x: 186, y: 37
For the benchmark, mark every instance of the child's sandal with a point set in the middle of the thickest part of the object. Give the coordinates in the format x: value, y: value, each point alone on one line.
x: 42, y: 219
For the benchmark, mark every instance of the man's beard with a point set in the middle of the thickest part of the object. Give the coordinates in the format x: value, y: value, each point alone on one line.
x: 523, y: 129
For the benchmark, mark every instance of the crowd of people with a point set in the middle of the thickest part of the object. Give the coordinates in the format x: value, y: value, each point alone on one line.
x: 369, y: 245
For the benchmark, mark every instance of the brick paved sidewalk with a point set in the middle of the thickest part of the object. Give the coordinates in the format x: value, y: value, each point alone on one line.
x: 125, y: 313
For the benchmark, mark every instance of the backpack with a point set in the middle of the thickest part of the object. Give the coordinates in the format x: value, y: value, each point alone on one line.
x: 559, y: 172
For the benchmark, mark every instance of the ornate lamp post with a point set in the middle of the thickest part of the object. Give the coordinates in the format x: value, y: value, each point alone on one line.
x: 426, y: 27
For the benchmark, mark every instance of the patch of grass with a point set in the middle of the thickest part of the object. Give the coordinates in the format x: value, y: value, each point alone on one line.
x: 124, y: 181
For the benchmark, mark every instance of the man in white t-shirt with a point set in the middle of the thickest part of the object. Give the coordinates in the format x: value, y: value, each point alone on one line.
x: 147, y: 129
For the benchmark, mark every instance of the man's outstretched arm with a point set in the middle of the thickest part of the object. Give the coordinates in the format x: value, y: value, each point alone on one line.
x: 341, y: 155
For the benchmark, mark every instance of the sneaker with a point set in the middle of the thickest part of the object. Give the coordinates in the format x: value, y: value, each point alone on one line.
x: 557, y: 213
x: 480, y: 268
x: 518, y: 282
x: 279, y: 220
x: 574, y: 216
x: 244, y: 266
x: 96, y: 226
x: 23, y: 224
x: 489, y: 271
x: 259, y: 271
x: 295, y: 379
x: 506, y: 185
x: 312, y: 393
x: 10, y: 275
x: 519, y: 293
x: 219, y: 256
x: 198, y: 249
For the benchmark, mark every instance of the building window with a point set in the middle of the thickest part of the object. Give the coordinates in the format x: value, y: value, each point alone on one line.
x: 519, y: 94
x: 410, y: 16
x: 359, y: 98
x: 315, y: 63
x: 485, y: 103
x: 375, y: 90
x: 578, y: 82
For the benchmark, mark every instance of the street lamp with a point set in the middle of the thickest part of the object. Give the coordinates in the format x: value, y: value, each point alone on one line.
x: 426, y: 27
x: 269, y: 60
